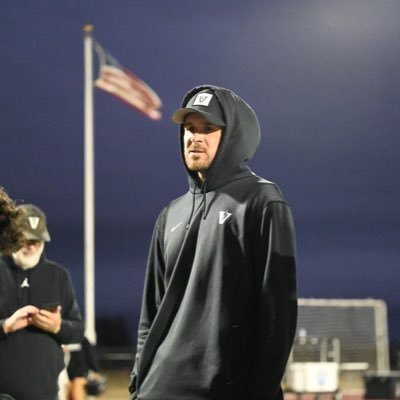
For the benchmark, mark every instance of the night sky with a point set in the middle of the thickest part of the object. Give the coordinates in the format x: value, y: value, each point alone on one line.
x: 323, y: 77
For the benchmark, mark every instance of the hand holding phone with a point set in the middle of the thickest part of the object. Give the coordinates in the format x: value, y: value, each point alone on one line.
x: 52, y: 307
x: 49, y: 318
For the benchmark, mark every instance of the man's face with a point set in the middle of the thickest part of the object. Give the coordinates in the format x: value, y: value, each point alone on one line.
x: 201, y: 140
x: 29, y: 254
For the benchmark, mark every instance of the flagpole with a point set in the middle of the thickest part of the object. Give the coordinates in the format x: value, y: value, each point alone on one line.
x: 89, y: 254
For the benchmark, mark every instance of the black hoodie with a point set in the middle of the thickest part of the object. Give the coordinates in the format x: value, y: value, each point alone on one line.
x: 219, y: 305
x: 31, y: 359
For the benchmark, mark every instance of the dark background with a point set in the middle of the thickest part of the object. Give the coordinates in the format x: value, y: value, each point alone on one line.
x: 323, y: 77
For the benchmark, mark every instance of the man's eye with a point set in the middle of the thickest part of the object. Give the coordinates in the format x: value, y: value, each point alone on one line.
x: 205, y: 129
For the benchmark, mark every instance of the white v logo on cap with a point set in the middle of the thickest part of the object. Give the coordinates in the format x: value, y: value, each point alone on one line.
x: 34, y: 222
x: 203, y: 99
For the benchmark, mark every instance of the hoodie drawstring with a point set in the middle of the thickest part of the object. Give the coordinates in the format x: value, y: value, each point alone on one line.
x: 203, y: 188
x: 192, y: 211
x: 204, y: 192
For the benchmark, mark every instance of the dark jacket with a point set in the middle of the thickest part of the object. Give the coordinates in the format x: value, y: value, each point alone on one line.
x: 219, y: 306
x: 31, y: 359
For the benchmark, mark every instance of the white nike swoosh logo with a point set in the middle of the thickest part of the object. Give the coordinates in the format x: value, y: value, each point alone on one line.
x: 174, y: 228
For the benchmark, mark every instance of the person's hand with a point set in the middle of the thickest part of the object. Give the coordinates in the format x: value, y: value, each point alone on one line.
x: 48, y: 321
x: 20, y: 319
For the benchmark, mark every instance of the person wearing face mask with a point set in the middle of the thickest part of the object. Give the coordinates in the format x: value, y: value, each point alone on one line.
x: 38, y: 313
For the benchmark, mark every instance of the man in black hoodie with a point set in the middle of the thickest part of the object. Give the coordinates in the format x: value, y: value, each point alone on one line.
x: 38, y: 313
x: 219, y: 305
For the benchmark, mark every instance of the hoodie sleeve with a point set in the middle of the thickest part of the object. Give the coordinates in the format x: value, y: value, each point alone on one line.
x: 72, y: 328
x: 153, y: 294
x: 277, y: 302
x: 2, y: 334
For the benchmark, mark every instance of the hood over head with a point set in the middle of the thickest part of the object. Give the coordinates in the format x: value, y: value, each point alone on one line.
x: 240, y: 134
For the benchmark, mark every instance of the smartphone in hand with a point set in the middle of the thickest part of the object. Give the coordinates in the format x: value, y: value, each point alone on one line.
x: 52, y: 307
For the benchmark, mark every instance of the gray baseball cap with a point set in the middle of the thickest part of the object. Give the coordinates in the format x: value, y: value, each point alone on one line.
x: 34, y: 223
x: 205, y: 103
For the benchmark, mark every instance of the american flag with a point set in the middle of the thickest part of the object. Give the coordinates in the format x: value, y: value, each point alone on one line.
x: 125, y: 85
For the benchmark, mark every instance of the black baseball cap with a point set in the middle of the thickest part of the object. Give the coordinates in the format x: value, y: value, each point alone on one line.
x: 205, y: 103
x: 34, y: 223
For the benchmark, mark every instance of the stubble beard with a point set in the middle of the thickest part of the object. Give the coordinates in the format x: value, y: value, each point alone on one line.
x: 197, y: 163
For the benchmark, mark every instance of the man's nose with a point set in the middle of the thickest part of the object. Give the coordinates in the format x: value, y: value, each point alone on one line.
x: 196, y: 136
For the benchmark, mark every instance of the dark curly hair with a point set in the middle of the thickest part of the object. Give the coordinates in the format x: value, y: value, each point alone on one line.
x: 11, y: 236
